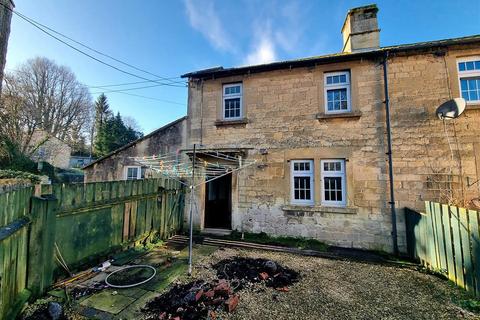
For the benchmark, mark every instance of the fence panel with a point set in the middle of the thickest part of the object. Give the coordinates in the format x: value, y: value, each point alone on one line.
x: 446, y: 239
x: 78, y: 222
x: 14, y: 208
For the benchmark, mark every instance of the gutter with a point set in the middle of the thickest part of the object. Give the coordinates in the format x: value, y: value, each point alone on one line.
x: 220, y: 72
x: 389, y: 153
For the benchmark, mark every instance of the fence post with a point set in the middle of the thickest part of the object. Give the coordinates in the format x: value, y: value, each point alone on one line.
x: 41, y: 244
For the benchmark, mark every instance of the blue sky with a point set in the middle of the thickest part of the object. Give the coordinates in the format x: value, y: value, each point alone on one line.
x: 170, y: 38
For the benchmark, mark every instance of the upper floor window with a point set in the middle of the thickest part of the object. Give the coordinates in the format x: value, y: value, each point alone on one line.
x: 337, y: 92
x: 469, y: 77
x: 333, y: 180
x: 232, y: 101
x: 134, y: 173
x: 302, y: 181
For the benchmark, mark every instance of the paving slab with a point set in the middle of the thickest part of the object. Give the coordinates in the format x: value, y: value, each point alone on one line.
x: 113, y: 303
x: 134, y: 292
x: 92, y: 313
x: 108, y: 302
x: 134, y: 311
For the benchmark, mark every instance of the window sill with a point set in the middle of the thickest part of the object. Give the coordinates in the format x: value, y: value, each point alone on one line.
x: 296, y: 209
x: 472, y: 106
x: 351, y: 114
x: 220, y: 123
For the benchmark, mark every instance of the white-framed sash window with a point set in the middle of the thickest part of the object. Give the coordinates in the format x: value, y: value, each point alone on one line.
x: 333, y: 182
x: 337, y: 92
x: 134, y: 173
x: 232, y: 101
x: 469, y: 79
x: 302, y: 182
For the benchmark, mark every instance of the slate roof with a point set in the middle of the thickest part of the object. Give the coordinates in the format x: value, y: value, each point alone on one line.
x: 219, y: 72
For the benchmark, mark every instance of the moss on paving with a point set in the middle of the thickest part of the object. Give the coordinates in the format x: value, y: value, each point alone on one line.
x: 108, y: 302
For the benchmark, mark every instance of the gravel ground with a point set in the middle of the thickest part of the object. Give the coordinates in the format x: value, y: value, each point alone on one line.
x: 333, y: 289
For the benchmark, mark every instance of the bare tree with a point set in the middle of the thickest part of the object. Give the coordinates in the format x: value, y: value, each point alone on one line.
x: 41, y: 95
x: 132, y: 123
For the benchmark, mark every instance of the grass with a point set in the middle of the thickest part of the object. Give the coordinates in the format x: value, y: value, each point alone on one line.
x: 472, y: 305
x: 292, y: 242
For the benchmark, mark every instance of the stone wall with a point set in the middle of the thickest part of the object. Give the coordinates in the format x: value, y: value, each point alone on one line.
x: 169, y: 138
x: 427, y: 151
x: 284, y: 115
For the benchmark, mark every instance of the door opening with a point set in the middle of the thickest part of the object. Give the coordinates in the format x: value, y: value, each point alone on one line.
x: 218, y: 203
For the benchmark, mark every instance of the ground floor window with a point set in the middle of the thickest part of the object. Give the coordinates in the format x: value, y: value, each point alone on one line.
x: 333, y: 182
x: 302, y: 181
x: 134, y: 173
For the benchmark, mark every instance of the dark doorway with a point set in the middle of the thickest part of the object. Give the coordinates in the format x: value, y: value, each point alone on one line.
x: 218, y: 203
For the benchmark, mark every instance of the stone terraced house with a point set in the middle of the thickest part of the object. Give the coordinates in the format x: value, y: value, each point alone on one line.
x: 317, y: 128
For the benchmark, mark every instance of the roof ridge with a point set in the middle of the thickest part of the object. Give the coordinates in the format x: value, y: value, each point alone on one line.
x: 136, y: 141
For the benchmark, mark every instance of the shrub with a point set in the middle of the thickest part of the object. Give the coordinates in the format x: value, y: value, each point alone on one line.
x: 11, y: 157
x: 12, y: 174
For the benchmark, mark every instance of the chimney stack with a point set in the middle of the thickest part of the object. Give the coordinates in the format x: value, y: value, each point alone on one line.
x: 360, y: 29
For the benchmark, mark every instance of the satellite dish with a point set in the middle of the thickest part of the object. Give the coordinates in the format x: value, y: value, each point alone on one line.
x: 451, y: 109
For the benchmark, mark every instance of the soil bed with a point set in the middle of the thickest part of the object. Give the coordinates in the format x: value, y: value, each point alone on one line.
x: 248, y: 270
x: 204, y: 300
x: 183, y: 301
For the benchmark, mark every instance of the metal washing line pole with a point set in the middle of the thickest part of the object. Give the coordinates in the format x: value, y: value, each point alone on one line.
x: 170, y: 166
x: 192, y: 188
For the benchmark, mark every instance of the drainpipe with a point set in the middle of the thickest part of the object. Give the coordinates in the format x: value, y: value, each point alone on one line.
x: 389, y: 153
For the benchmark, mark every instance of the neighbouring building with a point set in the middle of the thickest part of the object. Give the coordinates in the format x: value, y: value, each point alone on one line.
x: 6, y: 7
x: 317, y: 129
x: 80, y: 161
x: 118, y: 165
x: 44, y: 147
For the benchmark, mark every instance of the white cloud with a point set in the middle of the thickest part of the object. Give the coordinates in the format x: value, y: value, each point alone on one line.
x: 288, y: 34
x: 204, y: 18
x: 279, y: 27
x: 263, y: 52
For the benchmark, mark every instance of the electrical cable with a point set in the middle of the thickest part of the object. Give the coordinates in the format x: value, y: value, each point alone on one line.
x: 42, y: 28
x: 129, y: 89
x: 150, y: 98
x: 123, y: 84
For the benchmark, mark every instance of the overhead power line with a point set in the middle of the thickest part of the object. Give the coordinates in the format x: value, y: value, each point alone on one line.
x: 42, y: 28
x: 90, y: 48
x: 130, y: 94
x: 123, y: 84
x: 129, y: 89
x: 150, y: 98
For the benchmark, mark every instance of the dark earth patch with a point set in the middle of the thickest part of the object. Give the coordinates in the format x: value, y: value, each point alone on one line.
x: 249, y: 270
x: 204, y: 300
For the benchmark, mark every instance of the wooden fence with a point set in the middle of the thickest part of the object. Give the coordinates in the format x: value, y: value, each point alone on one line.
x: 82, y: 221
x: 446, y: 239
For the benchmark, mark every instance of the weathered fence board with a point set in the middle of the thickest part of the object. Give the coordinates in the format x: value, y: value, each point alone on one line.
x: 446, y: 239
x: 83, y: 221
x: 475, y: 240
x: 448, y: 242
